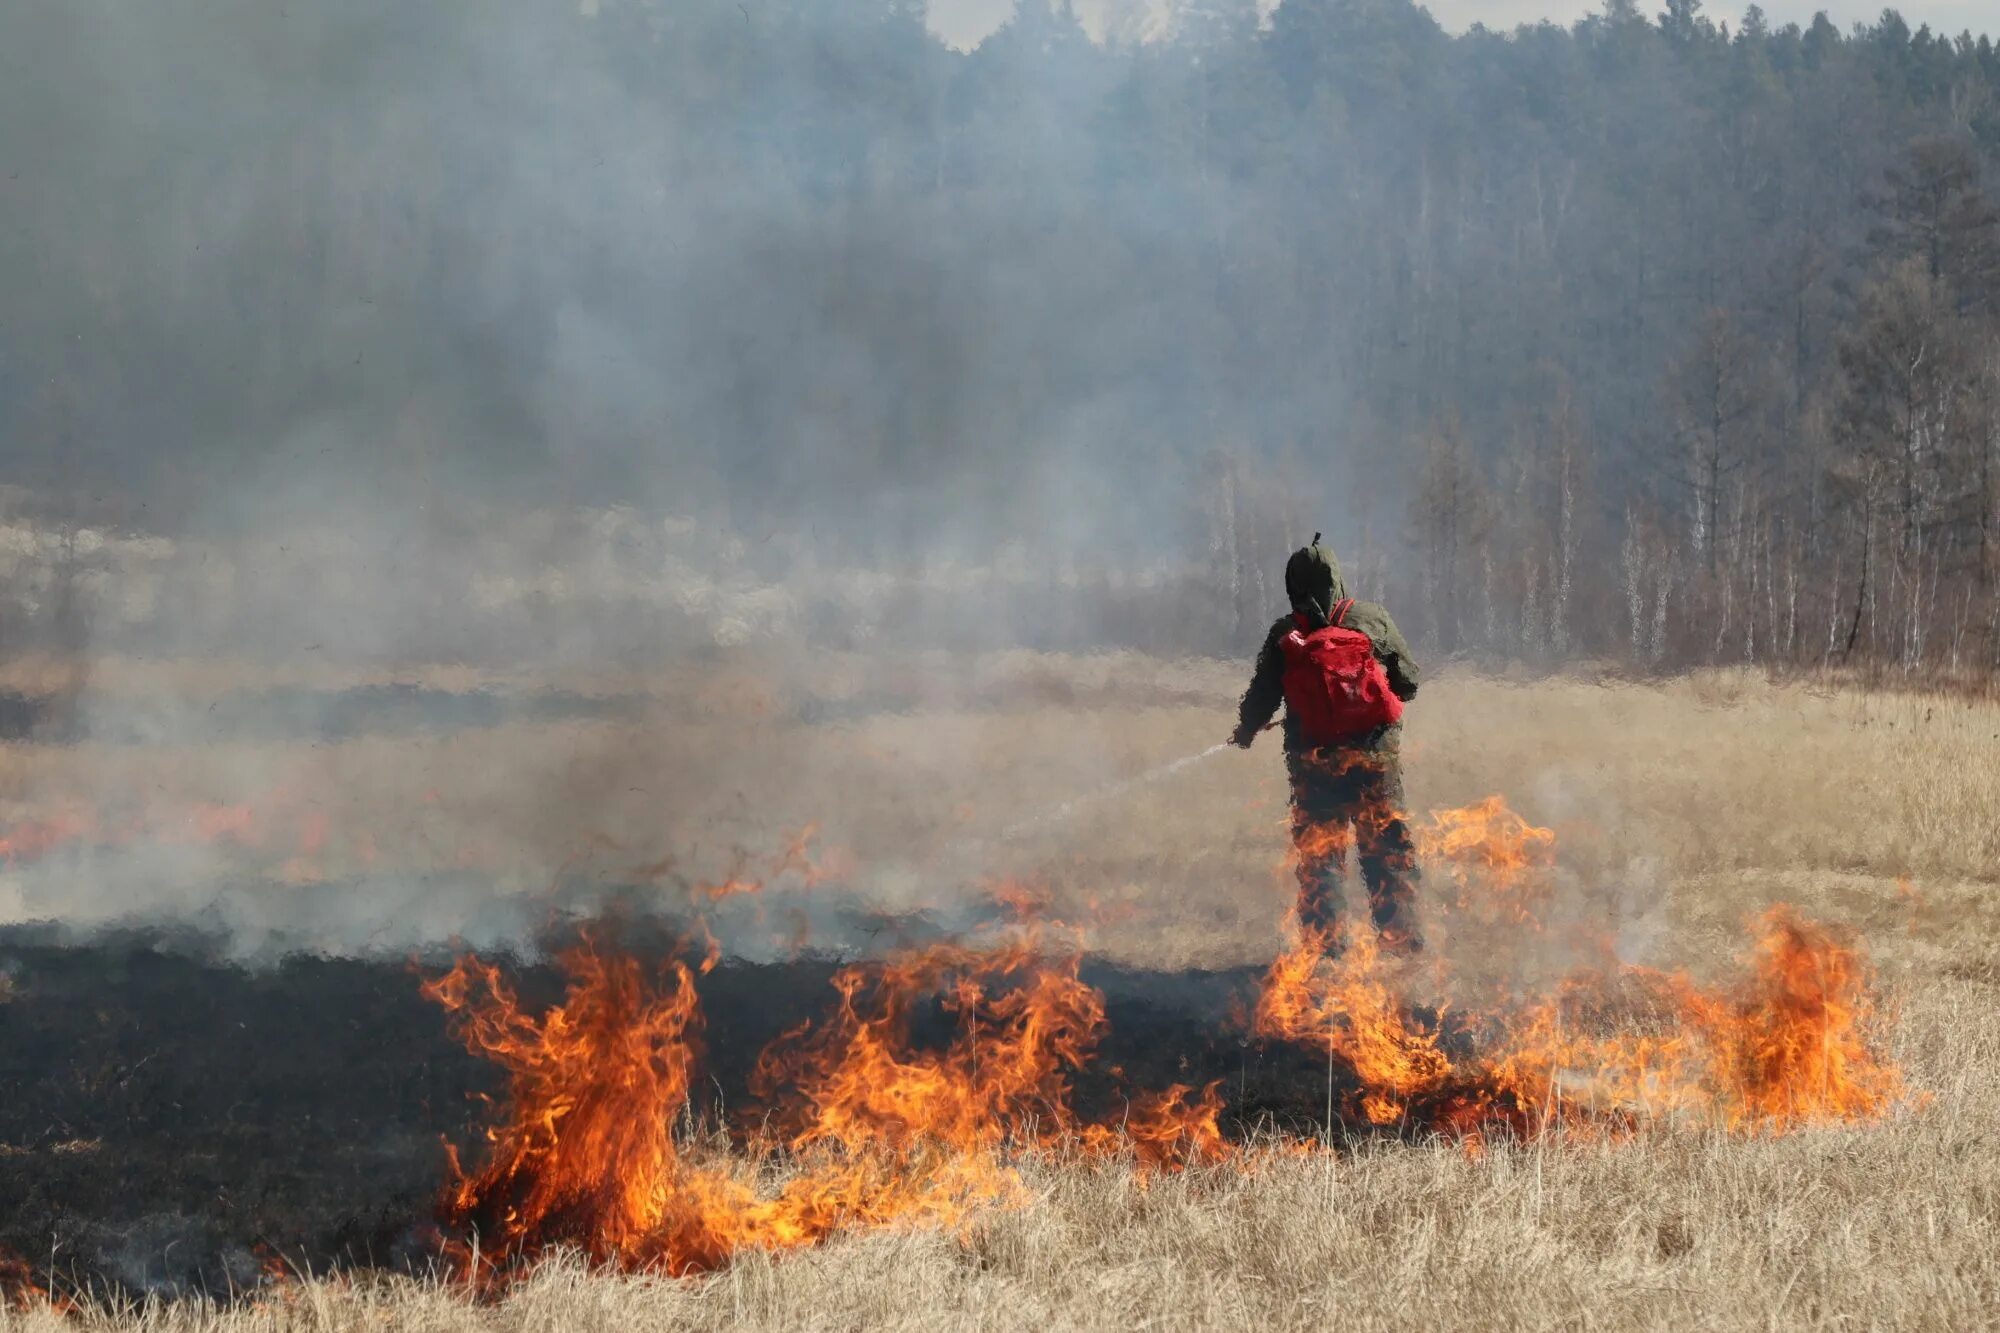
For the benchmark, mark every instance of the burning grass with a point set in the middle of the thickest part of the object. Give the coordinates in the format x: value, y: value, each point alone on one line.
x: 876, y: 1129
x: 881, y: 1131
x: 1524, y: 1127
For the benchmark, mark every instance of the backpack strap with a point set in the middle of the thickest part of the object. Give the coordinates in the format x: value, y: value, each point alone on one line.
x: 1340, y: 611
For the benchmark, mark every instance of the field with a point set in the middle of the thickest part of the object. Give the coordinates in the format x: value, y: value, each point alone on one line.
x: 365, y: 817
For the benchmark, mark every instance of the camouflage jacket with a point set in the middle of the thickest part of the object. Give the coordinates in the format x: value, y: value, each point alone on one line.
x: 1314, y: 582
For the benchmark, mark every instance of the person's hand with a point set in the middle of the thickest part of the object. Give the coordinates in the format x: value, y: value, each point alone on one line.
x: 1242, y: 737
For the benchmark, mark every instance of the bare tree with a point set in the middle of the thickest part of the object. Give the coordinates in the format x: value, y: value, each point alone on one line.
x: 1450, y: 515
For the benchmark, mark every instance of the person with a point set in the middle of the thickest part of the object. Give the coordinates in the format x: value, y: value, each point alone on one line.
x: 1343, y: 734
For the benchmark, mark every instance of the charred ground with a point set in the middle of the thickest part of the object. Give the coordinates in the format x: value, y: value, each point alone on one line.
x: 178, y: 1119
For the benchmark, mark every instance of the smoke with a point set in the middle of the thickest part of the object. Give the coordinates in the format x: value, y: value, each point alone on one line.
x: 748, y: 263
x: 1616, y: 899
x: 447, y: 399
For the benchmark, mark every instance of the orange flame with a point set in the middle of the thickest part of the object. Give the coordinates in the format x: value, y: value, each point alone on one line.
x: 36, y: 838
x: 1786, y: 1046
x: 278, y: 824
x: 21, y: 1292
x: 1168, y: 1129
x: 1498, y: 862
x: 1025, y: 1022
x: 1345, y: 1004
x: 1794, y: 1045
x: 595, y: 1085
x: 879, y: 1132
x: 871, y: 1127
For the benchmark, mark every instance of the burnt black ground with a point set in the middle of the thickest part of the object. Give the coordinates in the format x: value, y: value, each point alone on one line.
x: 169, y: 1118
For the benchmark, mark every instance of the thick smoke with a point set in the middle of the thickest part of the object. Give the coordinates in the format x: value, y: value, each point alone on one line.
x: 779, y: 267
x: 572, y: 394
x: 388, y: 361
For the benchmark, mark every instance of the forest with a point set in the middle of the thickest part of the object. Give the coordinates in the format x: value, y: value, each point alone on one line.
x: 1664, y: 338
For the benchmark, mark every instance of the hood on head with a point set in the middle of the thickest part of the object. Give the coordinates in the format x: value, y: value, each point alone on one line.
x: 1313, y: 582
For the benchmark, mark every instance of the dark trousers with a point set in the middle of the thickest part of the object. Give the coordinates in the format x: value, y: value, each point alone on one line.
x: 1354, y: 796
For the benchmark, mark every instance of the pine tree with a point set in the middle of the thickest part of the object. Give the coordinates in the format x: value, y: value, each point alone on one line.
x: 1935, y: 211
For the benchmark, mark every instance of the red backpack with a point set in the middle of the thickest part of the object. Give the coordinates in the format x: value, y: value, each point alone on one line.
x: 1335, y: 687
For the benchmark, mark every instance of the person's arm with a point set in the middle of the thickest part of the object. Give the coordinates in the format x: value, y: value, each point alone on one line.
x: 1396, y: 660
x: 1390, y: 649
x: 1266, y: 692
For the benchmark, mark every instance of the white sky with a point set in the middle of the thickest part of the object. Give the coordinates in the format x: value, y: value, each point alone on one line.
x: 964, y: 22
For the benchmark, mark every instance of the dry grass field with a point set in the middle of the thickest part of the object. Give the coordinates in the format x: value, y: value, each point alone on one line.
x: 1680, y: 810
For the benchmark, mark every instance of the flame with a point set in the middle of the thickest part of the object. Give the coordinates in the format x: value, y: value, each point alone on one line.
x: 213, y: 822
x: 288, y: 835
x: 868, y: 1124
x: 877, y: 1130
x: 1786, y: 1045
x: 279, y: 825
x: 33, y: 839
x: 1343, y: 1001
x: 1911, y: 899
x: 1796, y: 1044
x: 1497, y: 861
x: 595, y: 1084
x: 21, y: 1292
x: 1167, y: 1129
x: 796, y: 860
x: 1025, y: 1023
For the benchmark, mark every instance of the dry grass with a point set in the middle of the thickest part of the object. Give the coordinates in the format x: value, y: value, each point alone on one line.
x: 1686, y: 805
x: 1681, y: 809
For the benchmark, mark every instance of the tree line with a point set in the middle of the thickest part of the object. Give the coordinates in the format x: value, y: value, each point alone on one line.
x: 1669, y: 336
x: 1815, y: 483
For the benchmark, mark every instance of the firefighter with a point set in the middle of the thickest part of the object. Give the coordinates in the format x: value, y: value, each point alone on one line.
x: 1343, y: 672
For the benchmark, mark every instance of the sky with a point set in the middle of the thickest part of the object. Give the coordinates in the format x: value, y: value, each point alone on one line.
x: 964, y: 22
